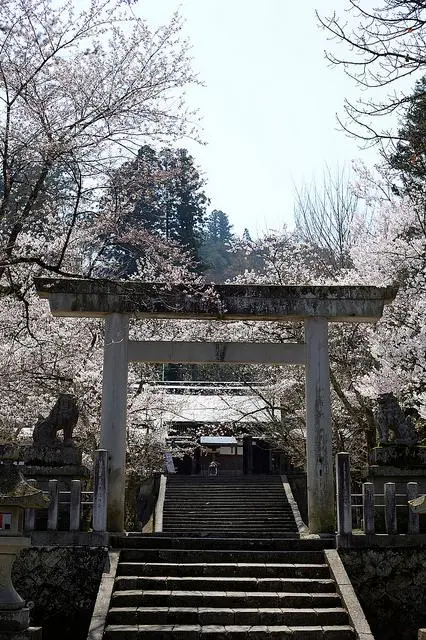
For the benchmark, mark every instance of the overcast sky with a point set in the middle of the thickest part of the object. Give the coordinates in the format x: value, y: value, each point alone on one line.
x: 269, y: 104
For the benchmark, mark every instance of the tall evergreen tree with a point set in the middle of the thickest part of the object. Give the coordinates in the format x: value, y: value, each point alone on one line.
x: 159, y: 192
x: 215, y: 250
x: 184, y: 198
x: 409, y: 157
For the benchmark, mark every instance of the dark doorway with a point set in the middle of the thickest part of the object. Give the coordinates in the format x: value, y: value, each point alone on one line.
x: 261, y: 457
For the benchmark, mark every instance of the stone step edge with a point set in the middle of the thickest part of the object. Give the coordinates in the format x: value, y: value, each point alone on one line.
x: 234, y: 556
x: 292, y: 631
x: 220, y: 579
x: 267, y: 610
x: 228, y: 565
x: 123, y: 593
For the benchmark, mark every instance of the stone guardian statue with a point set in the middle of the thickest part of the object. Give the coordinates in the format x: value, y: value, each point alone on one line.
x: 62, y: 417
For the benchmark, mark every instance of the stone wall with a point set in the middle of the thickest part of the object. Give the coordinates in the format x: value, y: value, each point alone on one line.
x: 391, y: 586
x: 61, y: 584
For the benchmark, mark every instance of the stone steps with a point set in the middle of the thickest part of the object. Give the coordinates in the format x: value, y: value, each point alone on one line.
x: 228, y: 632
x: 293, y: 572
x: 214, y: 598
x: 226, y: 616
x: 193, y: 506
x: 248, y: 505
x: 222, y: 583
x: 238, y: 529
x: 224, y: 544
x: 227, y: 517
x: 264, y: 589
x: 220, y: 556
x: 234, y: 501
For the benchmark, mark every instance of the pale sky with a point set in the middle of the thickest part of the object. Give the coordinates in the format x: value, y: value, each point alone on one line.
x: 269, y: 104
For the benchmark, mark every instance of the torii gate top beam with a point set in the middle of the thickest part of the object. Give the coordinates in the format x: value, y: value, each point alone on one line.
x: 97, y: 298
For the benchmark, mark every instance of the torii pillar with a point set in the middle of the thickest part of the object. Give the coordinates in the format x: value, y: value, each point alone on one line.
x: 316, y: 306
x: 319, y: 444
x: 114, y: 413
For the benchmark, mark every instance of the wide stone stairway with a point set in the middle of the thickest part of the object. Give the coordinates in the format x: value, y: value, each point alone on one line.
x: 193, y: 588
x: 251, y: 506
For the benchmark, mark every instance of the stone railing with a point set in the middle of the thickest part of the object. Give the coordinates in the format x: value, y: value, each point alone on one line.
x: 371, y: 515
x: 84, y: 509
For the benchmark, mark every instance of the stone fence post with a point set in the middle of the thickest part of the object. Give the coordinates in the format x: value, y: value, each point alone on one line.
x: 368, y: 507
x: 100, y: 490
x: 390, y: 508
x: 344, y: 499
x: 75, y: 505
x: 53, y: 508
x: 29, y: 517
x: 413, y: 518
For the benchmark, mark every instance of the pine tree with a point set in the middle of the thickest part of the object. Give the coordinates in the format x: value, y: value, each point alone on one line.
x: 409, y: 158
x: 215, y: 250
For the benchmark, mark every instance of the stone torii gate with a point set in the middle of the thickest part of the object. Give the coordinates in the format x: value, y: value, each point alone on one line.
x: 316, y: 306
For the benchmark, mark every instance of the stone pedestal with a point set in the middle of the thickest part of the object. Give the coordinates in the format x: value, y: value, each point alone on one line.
x: 44, y: 463
x: 400, y: 464
x: 53, y: 463
x: 400, y: 456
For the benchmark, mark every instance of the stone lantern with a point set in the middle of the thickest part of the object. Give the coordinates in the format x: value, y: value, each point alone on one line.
x: 418, y: 505
x: 15, y: 496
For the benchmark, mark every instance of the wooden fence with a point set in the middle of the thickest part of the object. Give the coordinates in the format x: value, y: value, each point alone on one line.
x: 76, y: 501
x: 362, y: 508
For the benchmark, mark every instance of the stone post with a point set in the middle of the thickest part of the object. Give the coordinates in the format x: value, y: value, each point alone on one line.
x: 75, y: 505
x: 100, y: 490
x: 390, y: 508
x: 30, y: 517
x: 53, y: 508
x: 368, y: 507
x: 114, y: 411
x: 413, y: 518
x: 343, y: 491
x: 318, y: 428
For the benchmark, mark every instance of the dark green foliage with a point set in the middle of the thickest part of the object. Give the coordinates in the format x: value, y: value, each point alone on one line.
x: 409, y: 158
x: 161, y: 192
x: 215, y: 250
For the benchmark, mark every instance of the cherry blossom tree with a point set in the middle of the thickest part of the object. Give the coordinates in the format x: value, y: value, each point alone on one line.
x: 377, y: 46
x: 79, y: 91
x: 284, y: 259
x: 394, y: 252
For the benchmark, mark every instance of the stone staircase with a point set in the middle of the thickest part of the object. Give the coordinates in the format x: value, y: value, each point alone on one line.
x: 191, y: 588
x: 251, y: 506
